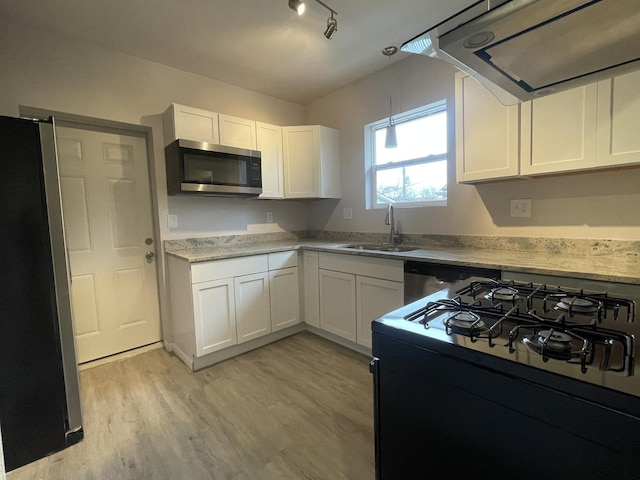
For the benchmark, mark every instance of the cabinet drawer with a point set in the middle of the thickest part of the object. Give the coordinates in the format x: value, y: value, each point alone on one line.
x: 385, y: 268
x: 283, y: 259
x: 231, y: 267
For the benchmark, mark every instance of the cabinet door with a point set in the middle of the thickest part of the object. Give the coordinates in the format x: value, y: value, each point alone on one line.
x: 191, y: 124
x: 487, y: 134
x: 285, y: 299
x: 330, y: 180
x: 301, y: 162
x: 375, y: 297
x: 618, y: 120
x: 253, y: 317
x: 237, y: 132
x: 214, y: 315
x: 338, y: 303
x: 559, y: 132
x: 269, y: 142
x: 311, y: 290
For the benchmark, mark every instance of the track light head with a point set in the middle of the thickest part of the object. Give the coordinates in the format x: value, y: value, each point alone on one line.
x: 297, y: 6
x: 332, y: 27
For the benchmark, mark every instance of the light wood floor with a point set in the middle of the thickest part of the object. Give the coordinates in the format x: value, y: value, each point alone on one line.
x: 300, y: 408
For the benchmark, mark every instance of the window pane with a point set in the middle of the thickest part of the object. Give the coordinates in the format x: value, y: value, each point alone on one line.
x: 416, y: 139
x: 417, y: 183
x: 415, y: 172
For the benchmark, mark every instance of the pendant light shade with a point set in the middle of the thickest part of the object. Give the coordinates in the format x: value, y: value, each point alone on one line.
x: 390, y: 140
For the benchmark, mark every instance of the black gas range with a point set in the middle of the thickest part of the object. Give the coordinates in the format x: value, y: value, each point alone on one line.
x: 521, y: 378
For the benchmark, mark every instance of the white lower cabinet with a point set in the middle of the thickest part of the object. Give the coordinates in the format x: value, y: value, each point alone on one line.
x: 225, y: 303
x: 375, y: 297
x: 356, y: 290
x: 214, y: 315
x: 253, y: 317
x: 338, y: 303
x: 285, y: 307
x: 311, y: 288
x: 222, y: 308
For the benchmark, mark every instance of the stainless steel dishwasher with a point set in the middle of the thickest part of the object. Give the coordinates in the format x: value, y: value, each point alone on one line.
x: 424, y: 278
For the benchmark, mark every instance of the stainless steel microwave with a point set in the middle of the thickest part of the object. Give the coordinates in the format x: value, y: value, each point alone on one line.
x: 200, y: 168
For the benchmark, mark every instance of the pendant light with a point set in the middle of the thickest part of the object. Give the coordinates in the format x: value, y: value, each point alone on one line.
x: 390, y: 140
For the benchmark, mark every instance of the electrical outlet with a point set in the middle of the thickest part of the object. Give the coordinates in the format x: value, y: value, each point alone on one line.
x: 269, y: 217
x: 172, y: 221
x: 520, y: 207
x: 347, y: 214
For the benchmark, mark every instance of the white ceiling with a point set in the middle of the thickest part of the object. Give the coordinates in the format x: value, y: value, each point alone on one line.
x: 261, y: 45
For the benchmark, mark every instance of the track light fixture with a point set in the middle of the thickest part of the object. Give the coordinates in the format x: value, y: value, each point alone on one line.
x: 298, y: 6
x: 332, y: 27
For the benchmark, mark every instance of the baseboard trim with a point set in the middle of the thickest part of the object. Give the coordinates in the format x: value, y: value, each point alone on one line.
x: 230, y: 352
x: 119, y: 356
x: 339, y: 340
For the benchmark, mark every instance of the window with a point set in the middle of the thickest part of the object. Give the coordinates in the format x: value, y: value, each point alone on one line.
x: 415, y: 172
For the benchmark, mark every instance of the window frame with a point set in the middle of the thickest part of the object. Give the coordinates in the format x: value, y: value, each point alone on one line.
x: 371, y: 169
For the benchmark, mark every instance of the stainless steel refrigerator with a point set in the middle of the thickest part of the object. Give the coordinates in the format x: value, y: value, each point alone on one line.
x: 40, y: 409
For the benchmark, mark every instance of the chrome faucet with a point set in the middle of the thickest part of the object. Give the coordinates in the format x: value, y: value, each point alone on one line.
x: 389, y: 220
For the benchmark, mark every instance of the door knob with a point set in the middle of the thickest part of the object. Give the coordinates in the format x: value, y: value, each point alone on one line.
x: 149, y: 256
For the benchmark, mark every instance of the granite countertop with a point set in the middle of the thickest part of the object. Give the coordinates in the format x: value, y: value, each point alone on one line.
x: 597, y: 260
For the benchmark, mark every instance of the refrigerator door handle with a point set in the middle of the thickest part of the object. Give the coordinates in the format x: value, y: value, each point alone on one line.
x: 374, y: 368
x: 62, y: 274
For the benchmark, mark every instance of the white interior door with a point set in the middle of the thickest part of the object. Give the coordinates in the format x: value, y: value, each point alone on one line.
x: 109, y: 229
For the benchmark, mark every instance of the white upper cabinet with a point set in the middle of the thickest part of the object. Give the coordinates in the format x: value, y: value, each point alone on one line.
x: 311, y: 162
x: 558, y: 132
x: 269, y: 142
x: 585, y: 128
x: 618, y: 120
x: 297, y: 162
x: 487, y: 134
x: 237, y: 132
x: 190, y: 123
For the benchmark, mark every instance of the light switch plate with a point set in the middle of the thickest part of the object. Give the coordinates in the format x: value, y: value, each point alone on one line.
x: 520, y: 207
x: 172, y: 221
x: 347, y: 213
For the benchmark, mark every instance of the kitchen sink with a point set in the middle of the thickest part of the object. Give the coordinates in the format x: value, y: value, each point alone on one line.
x: 385, y: 247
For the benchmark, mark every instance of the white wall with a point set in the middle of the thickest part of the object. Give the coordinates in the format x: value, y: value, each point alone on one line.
x: 61, y: 75
x: 590, y: 205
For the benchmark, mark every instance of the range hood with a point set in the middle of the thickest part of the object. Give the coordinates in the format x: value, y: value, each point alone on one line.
x: 523, y: 49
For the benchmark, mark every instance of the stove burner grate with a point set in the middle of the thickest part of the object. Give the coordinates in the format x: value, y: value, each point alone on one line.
x: 558, y: 345
x: 574, y: 302
x: 466, y: 323
x: 560, y: 337
x: 503, y: 294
